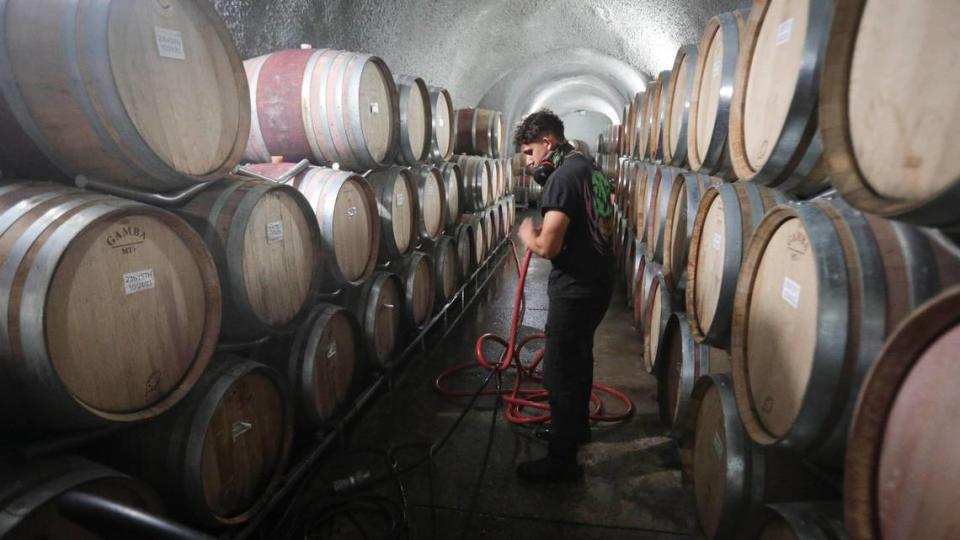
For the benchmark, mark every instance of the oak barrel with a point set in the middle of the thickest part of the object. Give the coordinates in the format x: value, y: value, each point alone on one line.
x: 732, y: 477
x: 656, y: 113
x: 324, y: 105
x: 378, y: 306
x: 216, y: 456
x: 158, y: 101
x: 632, y: 124
x: 684, y: 200
x: 399, y: 207
x: 346, y: 210
x: 656, y: 214
x: 726, y: 218
x: 479, y: 132
x: 266, y: 244
x: 31, y: 497
x: 465, y: 240
x: 453, y: 189
x: 773, y: 138
x: 446, y: 269
x: 887, y: 144
x: 901, y: 470
x: 629, y: 264
x: 712, y: 96
x: 93, y: 284
x: 322, y: 364
x: 676, y: 116
x: 681, y: 363
x: 802, y: 521
x: 639, y: 275
x: 660, y: 301
x: 416, y: 121
x: 433, y: 201
x: 821, y: 287
x: 477, y: 190
x: 416, y: 272
x: 441, y: 132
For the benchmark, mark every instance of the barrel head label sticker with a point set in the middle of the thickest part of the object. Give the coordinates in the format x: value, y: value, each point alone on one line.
x: 716, y: 241
x: 790, y: 292
x: 352, y: 211
x: 135, y: 282
x: 274, y: 232
x: 374, y: 108
x: 169, y: 43
x: 239, y: 428
x: 400, y: 199
x: 784, y: 32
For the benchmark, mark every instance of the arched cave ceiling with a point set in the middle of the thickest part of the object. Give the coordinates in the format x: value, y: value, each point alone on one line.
x: 510, y: 55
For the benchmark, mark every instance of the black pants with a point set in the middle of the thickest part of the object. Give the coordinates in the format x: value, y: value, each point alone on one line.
x: 568, y: 368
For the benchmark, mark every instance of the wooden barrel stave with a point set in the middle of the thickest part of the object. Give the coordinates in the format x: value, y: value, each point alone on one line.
x: 417, y: 275
x: 675, y: 123
x: 660, y: 301
x: 453, y: 188
x: 63, y: 247
x: 656, y: 213
x: 656, y: 114
x: 432, y: 201
x: 685, y: 195
x: 446, y: 269
x: 416, y: 120
x: 466, y: 250
x: 378, y: 307
x: 398, y: 204
x: 442, y: 125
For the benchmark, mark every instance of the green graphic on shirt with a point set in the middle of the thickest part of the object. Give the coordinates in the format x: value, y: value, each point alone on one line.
x: 602, y: 189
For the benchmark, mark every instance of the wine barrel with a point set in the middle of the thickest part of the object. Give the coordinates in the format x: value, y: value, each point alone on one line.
x: 682, y: 361
x: 419, y: 290
x: 726, y: 218
x: 446, y: 269
x: 636, y: 288
x: 399, y: 206
x: 491, y: 227
x: 216, y: 456
x: 733, y: 478
x: 441, y: 133
x: 453, y: 189
x: 802, y: 521
x: 266, y: 244
x: 676, y: 116
x: 157, y: 102
x: 416, y: 122
x: 580, y: 146
x: 464, y: 238
x: 378, y: 306
x: 324, y: 105
x: 820, y: 289
x: 512, y: 210
x: 629, y: 264
x: 773, y: 138
x: 347, y: 212
x: 432, y: 199
x: 660, y: 189
x: 657, y: 112
x: 93, y: 284
x: 712, y: 96
x: 475, y: 221
x: 901, y: 468
x: 32, y: 495
x: 322, y: 364
x: 682, y: 205
x: 479, y: 132
x: 501, y: 214
x: 643, y: 124
x: 631, y: 124
x: 476, y: 182
x: 660, y: 299
x: 499, y: 179
x: 908, y: 173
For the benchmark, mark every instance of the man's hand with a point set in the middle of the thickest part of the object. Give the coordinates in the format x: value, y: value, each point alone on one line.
x: 546, y: 240
x: 527, y: 232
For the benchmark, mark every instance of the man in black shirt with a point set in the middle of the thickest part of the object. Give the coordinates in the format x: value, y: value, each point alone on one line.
x: 575, y: 235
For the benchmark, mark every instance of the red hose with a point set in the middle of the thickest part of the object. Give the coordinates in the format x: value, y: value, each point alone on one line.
x: 531, y: 395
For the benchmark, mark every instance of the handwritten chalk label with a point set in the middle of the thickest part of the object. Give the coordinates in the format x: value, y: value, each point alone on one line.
x: 274, y: 231
x: 784, y: 32
x: 790, y: 292
x: 240, y: 428
x: 716, y: 68
x: 374, y: 108
x: 716, y: 241
x: 135, y: 282
x: 352, y: 211
x: 717, y: 445
x: 332, y: 350
x: 169, y: 43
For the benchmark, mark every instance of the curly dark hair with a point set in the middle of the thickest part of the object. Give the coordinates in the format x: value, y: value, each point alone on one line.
x: 536, y: 125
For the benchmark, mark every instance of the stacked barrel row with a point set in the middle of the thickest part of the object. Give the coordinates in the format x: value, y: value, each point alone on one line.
x: 832, y: 314
x: 479, y: 132
x: 114, y: 308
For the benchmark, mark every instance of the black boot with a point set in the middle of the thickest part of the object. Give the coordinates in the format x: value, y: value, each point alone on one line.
x: 550, y: 470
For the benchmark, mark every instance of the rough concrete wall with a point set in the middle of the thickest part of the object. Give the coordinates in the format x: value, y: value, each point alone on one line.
x: 505, y: 54
x: 585, y: 126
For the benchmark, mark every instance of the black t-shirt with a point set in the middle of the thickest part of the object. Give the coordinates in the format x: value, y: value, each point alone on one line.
x: 584, y: 266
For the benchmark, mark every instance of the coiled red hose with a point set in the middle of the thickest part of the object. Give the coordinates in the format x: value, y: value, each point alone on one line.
x: 527, y: 391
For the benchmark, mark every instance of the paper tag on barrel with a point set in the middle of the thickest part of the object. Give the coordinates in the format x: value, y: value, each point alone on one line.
x: 134, y: 282
x: 169, y: 43
x: 274, y: 232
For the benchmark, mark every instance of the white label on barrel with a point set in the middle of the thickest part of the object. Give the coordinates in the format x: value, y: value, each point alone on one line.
x: 718, y: 445
x: 791, y: 292
x: 169, y: 43
x: 239, y: 429
x: 399, y: 199
x: 784, y: 31
x: 716, y: 241
x: 352, y: 211
x: 274, y: 231
x: 332, y: 350
x: 716, y: 68
x: 374, y: 108
x: 138, y: 281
